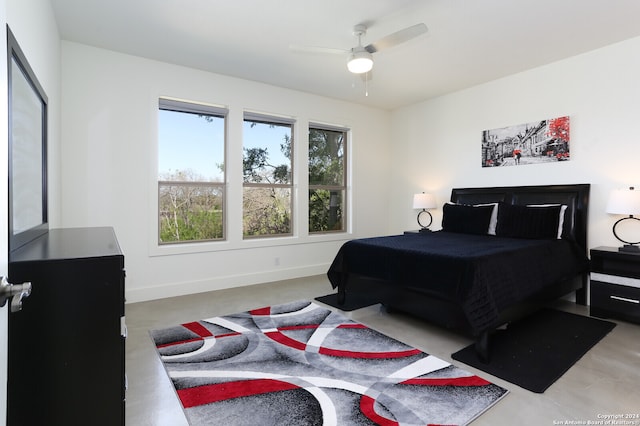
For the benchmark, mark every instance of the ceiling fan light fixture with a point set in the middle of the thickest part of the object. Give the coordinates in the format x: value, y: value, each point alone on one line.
x: 360, y: 61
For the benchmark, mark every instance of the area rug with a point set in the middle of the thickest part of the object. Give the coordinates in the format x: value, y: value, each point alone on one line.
x: 301, y: 364
x: 535, y: 352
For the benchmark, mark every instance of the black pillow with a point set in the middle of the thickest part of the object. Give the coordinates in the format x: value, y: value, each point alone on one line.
x: 528, y: 222
x: 466, y: 219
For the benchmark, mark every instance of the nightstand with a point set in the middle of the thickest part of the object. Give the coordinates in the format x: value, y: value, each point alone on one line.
x: 615, y: 284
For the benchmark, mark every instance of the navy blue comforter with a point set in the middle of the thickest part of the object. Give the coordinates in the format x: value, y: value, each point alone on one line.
x: 481, y: 273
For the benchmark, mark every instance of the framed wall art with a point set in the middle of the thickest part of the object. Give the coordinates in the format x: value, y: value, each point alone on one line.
x: 546, y: 141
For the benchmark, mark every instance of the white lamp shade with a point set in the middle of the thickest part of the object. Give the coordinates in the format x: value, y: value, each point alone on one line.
x: 424, y: 201
x: 624, y: 201
x: 360, y: 61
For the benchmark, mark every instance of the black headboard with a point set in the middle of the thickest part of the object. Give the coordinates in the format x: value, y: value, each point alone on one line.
x: 575, y: 196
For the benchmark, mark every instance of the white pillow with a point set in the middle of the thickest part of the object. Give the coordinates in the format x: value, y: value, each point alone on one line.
x: 561, y: 219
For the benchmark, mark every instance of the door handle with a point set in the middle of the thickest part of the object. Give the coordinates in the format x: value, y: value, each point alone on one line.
x: 15, y: 291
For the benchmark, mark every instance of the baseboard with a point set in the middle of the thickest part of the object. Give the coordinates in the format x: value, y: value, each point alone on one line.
x: 134, y: 295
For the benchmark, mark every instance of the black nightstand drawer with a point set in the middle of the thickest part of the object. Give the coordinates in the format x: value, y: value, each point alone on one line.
x: 615, y: 300
x: 618, y: 265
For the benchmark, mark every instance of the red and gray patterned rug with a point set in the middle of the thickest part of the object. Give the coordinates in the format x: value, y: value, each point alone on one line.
x: 301, y: 364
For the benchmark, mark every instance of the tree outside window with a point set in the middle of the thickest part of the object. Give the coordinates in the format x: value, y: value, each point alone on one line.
x: 191, y: 178
x: 267, y: 177
x: 327, y: 179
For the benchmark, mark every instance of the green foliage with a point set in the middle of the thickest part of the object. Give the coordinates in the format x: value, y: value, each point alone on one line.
x: 191, y: 226
x: 257, y: 169
x: 326, y: 180
x: 266, y: 205
x: 267, y: 211
x: 325, y: 215
x: 253, y: 162
x: 326, y: 157
x: 191, y: 208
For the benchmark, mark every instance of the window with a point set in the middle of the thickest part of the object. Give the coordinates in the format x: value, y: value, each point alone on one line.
x: 327, y: 178
x: 191, y: 172
x: 267, y: 176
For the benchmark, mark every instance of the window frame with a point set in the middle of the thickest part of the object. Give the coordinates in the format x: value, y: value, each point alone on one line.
x: 343, y: 188
x: 268, y: 119
x: 192, y: 107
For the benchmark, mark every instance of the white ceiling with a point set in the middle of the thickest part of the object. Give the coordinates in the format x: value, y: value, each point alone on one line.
x: 468, y: 42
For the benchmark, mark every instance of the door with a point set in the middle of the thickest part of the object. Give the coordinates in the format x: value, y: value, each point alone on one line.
x: 4, y: 206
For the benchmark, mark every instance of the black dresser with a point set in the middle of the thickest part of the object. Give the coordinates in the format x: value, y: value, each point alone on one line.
x: 67, y: 345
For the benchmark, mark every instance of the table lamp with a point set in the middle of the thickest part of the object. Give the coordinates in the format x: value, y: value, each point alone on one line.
x: 626, y: 202
x: 423, y: 202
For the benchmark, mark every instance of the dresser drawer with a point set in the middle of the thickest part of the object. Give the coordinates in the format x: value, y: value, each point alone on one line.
x: 614, y: 300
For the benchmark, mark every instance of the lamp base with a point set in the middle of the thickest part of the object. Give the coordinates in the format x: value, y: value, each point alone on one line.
x: 422, y: 225
x: 424, y: 230
x: 629, y: 246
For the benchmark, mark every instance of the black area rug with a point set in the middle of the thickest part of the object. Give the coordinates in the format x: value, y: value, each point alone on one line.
x: 352, y: 302
x: 535, y: 352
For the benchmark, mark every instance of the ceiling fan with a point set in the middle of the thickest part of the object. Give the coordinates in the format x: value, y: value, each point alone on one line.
x: 360, y: 58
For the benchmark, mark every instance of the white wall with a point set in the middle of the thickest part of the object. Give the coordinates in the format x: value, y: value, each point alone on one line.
x: 109, y: 170
x: 33, y: 24
x: 599, y: 90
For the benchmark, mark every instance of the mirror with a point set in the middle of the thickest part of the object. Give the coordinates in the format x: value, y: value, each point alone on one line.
x: 27, y: 150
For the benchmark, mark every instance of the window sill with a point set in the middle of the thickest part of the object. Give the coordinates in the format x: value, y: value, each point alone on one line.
x: 156, y: 250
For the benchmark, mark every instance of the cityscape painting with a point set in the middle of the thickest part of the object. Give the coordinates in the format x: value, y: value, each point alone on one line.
x: 537, y: 142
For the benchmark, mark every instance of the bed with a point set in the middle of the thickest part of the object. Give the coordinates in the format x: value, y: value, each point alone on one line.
x: 503, y: 253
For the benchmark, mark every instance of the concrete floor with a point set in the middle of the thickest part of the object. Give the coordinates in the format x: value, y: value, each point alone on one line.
x: 606, y: 381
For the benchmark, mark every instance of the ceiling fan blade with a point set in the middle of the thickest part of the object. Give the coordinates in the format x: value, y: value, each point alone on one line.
x: 317, y: 49
x: 397, y: 38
